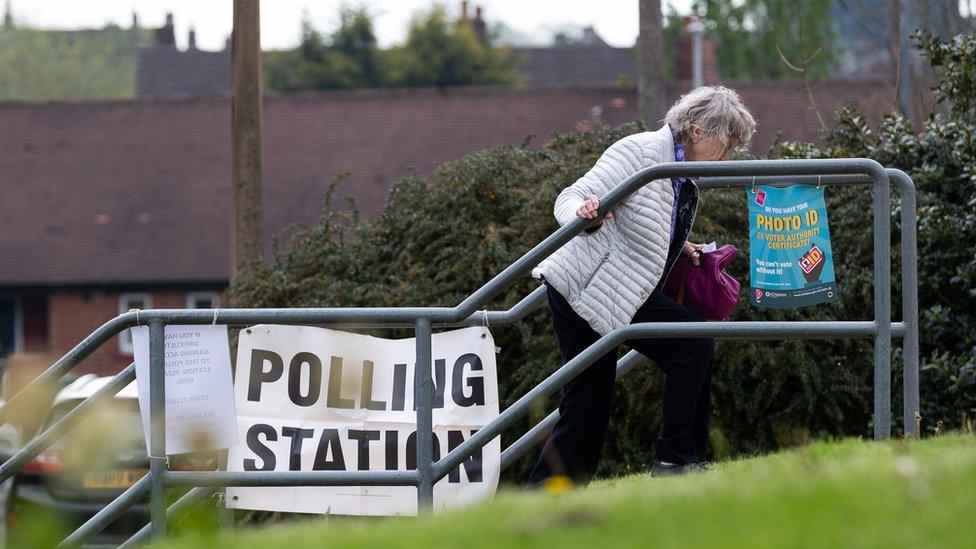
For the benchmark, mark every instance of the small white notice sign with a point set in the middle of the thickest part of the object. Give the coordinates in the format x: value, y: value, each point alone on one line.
x: 200, y: 412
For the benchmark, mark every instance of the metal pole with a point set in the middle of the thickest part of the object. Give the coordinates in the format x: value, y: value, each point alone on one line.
x: 909, y: 300
x: 107, y: 514
x: 157, y: 429
x: 49, y: 378
x: 882, y: 306
x: 697, y: 29
x: 179, y: 507
x: 905, y: 61
x: 292, y: 478
x: 225, y: 515
x: 538, y: 434
x: 726, y: 330
x: 425, y: 402
x: 881, y: 329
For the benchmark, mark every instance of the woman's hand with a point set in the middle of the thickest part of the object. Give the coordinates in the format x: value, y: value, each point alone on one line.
x: 694, y: 252
x: 589, y: 209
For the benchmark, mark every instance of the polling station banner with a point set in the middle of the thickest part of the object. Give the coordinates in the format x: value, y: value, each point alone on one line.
x: 314, y: 399
x: 791, y: 264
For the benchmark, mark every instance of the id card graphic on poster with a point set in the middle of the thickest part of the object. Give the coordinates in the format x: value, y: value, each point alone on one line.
x: 325, y: 400
x: 200, y: 413
x: 790, y: 258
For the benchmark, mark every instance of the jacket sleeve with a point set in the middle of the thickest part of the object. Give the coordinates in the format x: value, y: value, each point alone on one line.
x: 620, y: 161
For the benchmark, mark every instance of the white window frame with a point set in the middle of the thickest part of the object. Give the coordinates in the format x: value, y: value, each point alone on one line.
x: 191, y: 298
x: 125, y: 338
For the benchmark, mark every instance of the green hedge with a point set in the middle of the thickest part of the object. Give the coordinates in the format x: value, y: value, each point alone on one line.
x: 443, y: 235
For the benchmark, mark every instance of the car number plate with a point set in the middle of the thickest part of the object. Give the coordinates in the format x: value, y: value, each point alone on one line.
x: 123, y: 478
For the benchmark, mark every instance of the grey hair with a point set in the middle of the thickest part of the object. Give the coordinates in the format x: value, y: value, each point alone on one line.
x: 717, y: 112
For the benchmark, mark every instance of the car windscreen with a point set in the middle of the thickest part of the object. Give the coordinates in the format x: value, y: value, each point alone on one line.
x: 107, y: 436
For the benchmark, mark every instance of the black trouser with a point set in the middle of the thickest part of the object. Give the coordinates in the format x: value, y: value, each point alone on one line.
x: 576, y: 441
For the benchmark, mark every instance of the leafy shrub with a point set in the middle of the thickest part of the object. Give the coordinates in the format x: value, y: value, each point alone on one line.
x: 940, y: 159
x: 444, y: 235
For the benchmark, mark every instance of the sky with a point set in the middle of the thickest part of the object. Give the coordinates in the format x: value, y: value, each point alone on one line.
x: 533, y: 21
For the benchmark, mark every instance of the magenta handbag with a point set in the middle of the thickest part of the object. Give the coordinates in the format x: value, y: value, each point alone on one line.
x: 706, y: 289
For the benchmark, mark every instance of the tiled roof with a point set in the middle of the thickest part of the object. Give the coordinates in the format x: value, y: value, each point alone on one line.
x: 576, y: 65
x: 136, y: 192
x: 163, y: 71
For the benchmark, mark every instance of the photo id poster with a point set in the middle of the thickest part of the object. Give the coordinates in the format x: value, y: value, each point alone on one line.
x: 790, y: 261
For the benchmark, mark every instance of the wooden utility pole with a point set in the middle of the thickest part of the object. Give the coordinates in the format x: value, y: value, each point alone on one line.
x: 904, y: 60
x: 245, y: 135
x: 650, y: 64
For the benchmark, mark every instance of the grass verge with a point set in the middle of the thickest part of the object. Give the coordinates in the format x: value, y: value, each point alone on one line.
x: 849, y: 493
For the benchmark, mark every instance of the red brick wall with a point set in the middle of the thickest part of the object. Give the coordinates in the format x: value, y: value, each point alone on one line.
x: 76, y: 314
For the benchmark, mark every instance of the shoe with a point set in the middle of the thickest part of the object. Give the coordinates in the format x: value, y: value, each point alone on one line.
x: 659, y: 469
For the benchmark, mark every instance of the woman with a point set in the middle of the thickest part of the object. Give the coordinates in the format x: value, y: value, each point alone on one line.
x: 613, y: 275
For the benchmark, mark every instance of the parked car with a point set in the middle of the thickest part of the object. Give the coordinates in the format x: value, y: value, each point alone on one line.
x: 79, y: 474
x: 87, y: 468
x: 11, y: 440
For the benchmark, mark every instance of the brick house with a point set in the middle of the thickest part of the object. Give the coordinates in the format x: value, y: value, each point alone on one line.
x: 112, y: 205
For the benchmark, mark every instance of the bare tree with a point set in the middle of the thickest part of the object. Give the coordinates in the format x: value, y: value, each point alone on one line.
x: 245, y: 112
x: 650, y: 63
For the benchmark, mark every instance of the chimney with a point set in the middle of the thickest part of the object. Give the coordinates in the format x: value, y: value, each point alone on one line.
x: 135, y: 20
x: 480, y: 28
x: 684, y: 59
x: 192, y: 39
x: 8, y: 17
x: 164, y: 34
x: 591, y: 38
x: 464, y: 10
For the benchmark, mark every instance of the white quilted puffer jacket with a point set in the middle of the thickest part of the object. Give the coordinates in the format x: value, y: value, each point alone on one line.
x: 606, y: 275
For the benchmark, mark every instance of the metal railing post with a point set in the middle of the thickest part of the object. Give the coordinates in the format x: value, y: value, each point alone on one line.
x: 225, y: 515
x: 107, y: 515
x: 882, y: 305
x: 179, y: 507
x: 425, y: 403
x: 721, y: 174
x: 157, y: 428
x: 909, y: 299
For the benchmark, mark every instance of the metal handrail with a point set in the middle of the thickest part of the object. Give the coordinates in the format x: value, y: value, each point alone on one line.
x: 180, y: 506
x: 712, y: 175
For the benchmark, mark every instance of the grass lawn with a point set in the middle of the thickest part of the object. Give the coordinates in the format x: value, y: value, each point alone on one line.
x: 849, y: 493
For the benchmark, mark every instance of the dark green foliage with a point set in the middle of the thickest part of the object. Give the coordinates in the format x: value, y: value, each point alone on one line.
x: 940, y: 159
x: 441, y: 52
x: 444, y: 235
x: 56, y: 65
x: 766, y: 38
x: 350, y: 58
x: 438, y: 52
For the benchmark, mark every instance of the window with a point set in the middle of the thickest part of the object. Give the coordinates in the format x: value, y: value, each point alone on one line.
x: 128, y: 302
x: 202, y: 300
